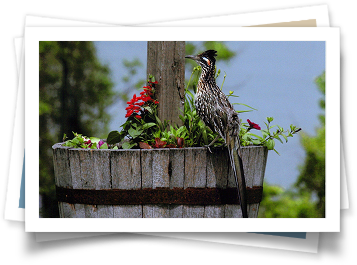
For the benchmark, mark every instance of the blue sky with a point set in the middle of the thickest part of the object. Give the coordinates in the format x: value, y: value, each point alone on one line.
x: 277, y: 78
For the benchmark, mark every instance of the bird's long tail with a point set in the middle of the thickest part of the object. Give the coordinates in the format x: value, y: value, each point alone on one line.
x: 237, y: 166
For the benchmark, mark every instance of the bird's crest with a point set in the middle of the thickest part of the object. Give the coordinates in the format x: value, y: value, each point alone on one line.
x: 208, y: 56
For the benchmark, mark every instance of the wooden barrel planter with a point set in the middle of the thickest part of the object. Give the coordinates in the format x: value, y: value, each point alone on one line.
x: 154, y: 183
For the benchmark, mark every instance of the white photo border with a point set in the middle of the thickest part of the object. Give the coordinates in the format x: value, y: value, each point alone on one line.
x: 331, y: 222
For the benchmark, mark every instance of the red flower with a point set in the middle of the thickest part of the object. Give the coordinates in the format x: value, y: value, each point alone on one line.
x: 129, y: 113
x: 145, y: 99
x: 89, y: 143
x: 136, y: 103
x: 133, y: 100
x: 253, y: 125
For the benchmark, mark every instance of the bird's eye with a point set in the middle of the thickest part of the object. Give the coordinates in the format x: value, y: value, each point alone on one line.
x: 207, y: 60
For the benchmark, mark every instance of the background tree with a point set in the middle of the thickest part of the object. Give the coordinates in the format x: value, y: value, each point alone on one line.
x: 75, y: 90
x: 312, y: 172
x: 307, y: 196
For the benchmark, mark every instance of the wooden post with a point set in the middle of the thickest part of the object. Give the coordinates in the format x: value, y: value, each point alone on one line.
x: 166, y: 62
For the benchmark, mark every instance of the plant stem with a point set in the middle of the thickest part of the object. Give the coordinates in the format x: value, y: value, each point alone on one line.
x: 224, y: 78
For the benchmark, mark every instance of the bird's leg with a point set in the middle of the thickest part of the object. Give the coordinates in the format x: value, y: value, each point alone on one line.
x: 208, y: 146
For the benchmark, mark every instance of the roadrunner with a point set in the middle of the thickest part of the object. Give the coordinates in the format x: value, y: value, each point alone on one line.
x: 219, y: 115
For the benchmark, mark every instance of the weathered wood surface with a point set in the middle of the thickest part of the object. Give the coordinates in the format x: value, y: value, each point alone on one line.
x: 166, y: 62
x: 154, y: 168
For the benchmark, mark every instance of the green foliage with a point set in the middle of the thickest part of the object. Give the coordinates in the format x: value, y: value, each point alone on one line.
x: 320, y: 82
x: 278, y: 203
x: 132, y: 67
x: 307, y: 196
x: 312, y: 172
x: 80, y: 141
x: 142, y: 122
x: 75, y: 91
x: 144, y: 129
x: 268, y: 137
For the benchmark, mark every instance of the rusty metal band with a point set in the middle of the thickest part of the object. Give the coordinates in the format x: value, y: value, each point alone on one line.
x: 175, y: 196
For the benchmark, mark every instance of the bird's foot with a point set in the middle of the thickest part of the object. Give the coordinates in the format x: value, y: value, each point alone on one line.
x: 208, y: 147
x: 218, y: 146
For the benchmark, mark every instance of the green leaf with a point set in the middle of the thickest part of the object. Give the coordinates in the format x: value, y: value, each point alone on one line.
x: 149, y: 109
x: 270, y: 144
x: 148, y: 125
x: 159, y: 123
x: 113, y: 137
x: 246, y: 137
x: 104, y: 146
x: 173, y: 131
x: 256, y: 142
x: 94, y: 140
x: 180, y: 130
x: 278, y: 138
x: 242, y: 111
x: 190, y: 94
x: 128, y: 145
x: 134, y: 133
x: 270, y: 119
x: 68, y: 143
x: 285, y: 137
x: 115, y: 148
x: 265, y: 133
x: 259, y: 137
x: 244, y: 105
x: 77, y: 141
x: 204, y: 136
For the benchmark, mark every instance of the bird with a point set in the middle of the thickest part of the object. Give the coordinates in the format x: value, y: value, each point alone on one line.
x: 215, y: 110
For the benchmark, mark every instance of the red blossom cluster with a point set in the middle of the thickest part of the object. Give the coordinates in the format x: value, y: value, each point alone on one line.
x: 253, y: 125
x: 136, y: 103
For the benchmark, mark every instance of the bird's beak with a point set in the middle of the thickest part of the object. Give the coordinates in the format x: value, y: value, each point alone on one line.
x: 192, y: 57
